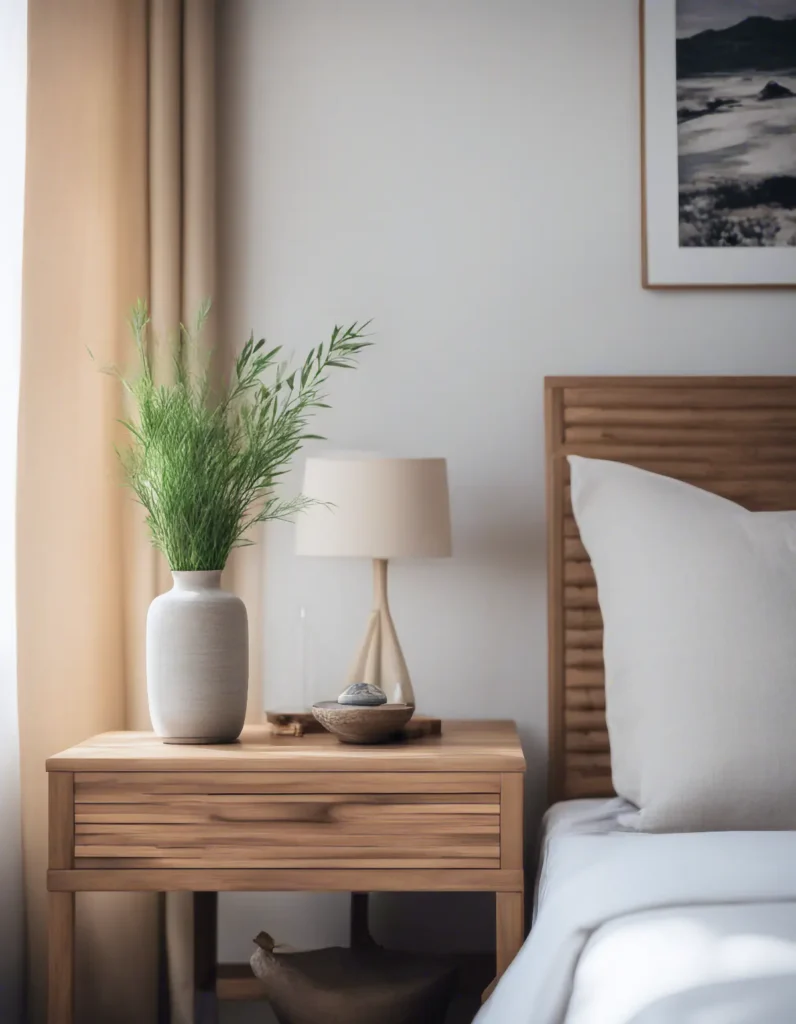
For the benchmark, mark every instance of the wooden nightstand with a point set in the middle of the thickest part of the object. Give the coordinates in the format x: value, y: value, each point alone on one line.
x: 281, y: 813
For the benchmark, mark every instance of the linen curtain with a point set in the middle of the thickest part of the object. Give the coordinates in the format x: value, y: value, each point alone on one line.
x: 120, y: 203
x: 13, y: 14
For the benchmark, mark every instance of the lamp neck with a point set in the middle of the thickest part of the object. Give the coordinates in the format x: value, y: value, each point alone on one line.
x: 380, y: 583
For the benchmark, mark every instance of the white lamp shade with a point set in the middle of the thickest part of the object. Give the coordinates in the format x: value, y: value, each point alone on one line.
x: 375, y: 508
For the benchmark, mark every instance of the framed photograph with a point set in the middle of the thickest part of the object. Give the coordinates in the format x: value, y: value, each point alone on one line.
x: 719, y: 143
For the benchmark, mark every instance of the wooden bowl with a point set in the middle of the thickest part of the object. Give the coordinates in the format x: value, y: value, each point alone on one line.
x: 352, y: 723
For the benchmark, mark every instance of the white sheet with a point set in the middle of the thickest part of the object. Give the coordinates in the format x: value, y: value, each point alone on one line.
x: 655, y: 929
x: 574, y: 818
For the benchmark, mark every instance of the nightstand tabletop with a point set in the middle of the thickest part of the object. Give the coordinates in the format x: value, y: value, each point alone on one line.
x: 464, y: 746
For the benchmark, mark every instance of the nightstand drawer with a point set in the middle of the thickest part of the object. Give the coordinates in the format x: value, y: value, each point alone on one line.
x: 287, y: 820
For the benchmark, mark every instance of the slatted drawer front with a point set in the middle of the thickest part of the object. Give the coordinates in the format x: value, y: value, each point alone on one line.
x: 281, y: 820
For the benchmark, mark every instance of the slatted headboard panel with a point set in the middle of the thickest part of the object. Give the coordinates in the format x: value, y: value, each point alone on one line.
x: 735, y: 436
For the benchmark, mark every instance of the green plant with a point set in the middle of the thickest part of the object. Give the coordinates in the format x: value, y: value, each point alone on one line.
x: 204, y: 464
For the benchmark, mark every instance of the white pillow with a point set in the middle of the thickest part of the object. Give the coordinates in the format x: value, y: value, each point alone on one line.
x: 698, y: 598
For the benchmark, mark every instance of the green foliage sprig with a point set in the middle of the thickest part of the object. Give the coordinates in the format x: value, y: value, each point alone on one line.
x: 204, y: 466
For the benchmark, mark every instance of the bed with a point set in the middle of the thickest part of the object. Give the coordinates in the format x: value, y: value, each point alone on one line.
x: 630, y: 927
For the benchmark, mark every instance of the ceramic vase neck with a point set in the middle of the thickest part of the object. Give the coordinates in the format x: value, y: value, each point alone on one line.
x: 209, y: 579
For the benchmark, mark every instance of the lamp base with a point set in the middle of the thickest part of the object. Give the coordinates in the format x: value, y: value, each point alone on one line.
x: 380, y: 660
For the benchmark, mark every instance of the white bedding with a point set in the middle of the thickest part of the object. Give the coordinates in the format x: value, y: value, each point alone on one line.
x: 631, y: 928
x: 574, y: 818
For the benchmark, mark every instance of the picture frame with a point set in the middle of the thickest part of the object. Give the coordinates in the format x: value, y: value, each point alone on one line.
x: 718, y: 149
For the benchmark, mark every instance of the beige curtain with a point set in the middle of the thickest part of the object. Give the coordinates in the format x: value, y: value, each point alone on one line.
x: 120, y: 203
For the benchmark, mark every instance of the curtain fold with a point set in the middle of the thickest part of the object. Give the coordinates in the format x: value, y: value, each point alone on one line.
x: 13, y: 28
x: 120, y: 203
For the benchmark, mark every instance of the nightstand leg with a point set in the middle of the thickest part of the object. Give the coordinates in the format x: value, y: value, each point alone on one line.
x: 510, y: 924
x: 205, y: 923
x: 61, y: 958
x: 509, y: 934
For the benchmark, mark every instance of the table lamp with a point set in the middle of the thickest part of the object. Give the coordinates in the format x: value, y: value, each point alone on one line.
x: 380, y: 509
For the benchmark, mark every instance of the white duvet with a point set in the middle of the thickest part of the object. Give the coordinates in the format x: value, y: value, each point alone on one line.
x: 657, y: 929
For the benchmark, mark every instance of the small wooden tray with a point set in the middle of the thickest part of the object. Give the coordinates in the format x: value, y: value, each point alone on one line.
x: 422, y: 725
x: 292, y: 723
x: 299, y: 723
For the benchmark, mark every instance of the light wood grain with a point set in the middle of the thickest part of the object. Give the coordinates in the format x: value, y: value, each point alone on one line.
x: 61, y: 906
x: 283, y: 880
x: 144, y: 786
x: 61, y: 819
x: 585, y: 677
x: 734, y: 413
x: 285, y: 834
x: 556, y: 532
x: 276, y: 841
x: 587, y: 762
x: 464, y: 746
x: 195, y: 809
x: 317, y: 833
x: 570, y: 526
x: 574, y: 551
x: 590, y: 699
x: 583, y: 657
x: 581, y: 720
x: 510, y: 912
x: 681, y: 382
x: 61, y: 957
x: 581, y: 741
x: 661, y: 441
x: 279, y: 814
x: 653, y: 447
x: 733, y: 436
x: 777, y: 393
x: 583, y: 618
x: 295, y: 832
x: 584, y: 639
x: 511, y: 820
x: 580, y: 574
x: 351, y: 815
x: 580, y: 597
x: 696, y: 470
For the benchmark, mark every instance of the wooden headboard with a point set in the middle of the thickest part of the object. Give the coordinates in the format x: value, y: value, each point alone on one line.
x: 734, y: 436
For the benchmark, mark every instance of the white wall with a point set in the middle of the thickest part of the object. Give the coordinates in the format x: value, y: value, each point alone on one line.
x: 467, y: 173
x: 13, y: 75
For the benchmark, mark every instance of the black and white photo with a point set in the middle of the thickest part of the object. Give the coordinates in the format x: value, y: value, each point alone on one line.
x: 736, y: 115
x: 719, y: 81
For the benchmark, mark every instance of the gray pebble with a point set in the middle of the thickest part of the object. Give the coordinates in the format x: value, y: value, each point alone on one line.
x: 362, y: 694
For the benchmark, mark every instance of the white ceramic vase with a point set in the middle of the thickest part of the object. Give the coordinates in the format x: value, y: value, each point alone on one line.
x: 197, y: 661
